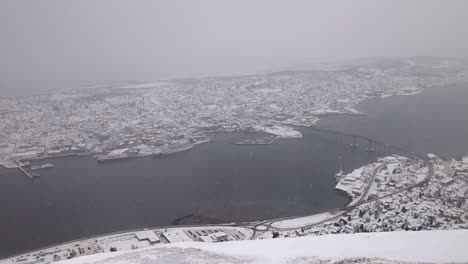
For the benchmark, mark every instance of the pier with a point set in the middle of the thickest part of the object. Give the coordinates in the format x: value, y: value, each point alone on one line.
x: 371, y: 145
x: 31, y: 177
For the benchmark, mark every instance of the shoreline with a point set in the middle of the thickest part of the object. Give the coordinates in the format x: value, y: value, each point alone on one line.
x: 119, y: 232
x: 253, y: 225
x: 340, y: 192
x: 352, y: 111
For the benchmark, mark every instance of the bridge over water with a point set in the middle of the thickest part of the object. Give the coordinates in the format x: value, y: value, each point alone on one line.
x: 343, y: 137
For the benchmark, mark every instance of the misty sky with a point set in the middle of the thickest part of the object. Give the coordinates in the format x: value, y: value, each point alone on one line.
x: 63, y: 43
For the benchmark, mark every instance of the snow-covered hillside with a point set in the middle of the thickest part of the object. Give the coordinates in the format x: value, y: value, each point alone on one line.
x: 392, y: 247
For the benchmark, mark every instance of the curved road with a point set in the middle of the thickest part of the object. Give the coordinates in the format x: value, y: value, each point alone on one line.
x: 266, y: 225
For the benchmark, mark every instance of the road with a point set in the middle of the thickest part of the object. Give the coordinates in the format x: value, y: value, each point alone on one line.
x: 264, y: 226
x: 267, y: 225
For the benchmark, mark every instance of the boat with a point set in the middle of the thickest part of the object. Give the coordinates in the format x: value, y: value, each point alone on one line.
x: 156, y: 154
x: 354, y: 144
x: 370, y: 147
x: 339, y: 175
x: 102, y: 158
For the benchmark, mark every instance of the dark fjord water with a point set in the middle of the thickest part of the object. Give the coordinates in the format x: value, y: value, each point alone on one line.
x: 80, y: 197
x: 434, y: 121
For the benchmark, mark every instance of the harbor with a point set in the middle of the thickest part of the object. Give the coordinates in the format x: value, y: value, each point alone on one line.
x: 241, y: 185
x: 39, y: 167
x: 30, y: 175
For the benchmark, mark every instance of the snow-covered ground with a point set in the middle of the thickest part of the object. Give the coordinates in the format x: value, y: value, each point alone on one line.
x: 465, y: 159
x: 303, y: 221
x: 283, y: 132
x: 145, y: 85
x: 393, y: 247
x: 350, y: 181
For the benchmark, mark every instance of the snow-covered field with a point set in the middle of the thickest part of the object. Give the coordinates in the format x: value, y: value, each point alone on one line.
x: 283, y: 132
x: 302, y: 221
x: 448, y: 246
x: 144, y: 85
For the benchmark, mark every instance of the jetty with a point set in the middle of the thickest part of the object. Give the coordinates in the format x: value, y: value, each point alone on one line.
x: 31, y: 177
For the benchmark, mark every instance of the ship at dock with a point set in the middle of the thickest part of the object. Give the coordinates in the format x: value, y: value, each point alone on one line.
x: 339, y: 175
x: 176, y: 148
x: 102, y: 158
x: 116, y: 154
x: 38, y: 167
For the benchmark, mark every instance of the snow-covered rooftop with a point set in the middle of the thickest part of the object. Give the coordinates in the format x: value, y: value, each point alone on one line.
x: 396, y: 247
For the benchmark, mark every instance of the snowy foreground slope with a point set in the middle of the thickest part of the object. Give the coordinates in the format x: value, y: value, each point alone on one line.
x: 392, y: 247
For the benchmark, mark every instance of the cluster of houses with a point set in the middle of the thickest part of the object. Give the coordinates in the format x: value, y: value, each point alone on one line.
x: 142, y: 118
x: 416, y: 200
x: 131, y: 240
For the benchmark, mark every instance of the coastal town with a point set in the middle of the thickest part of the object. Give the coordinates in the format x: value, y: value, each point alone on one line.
x: 127, y: 120
x: 131, y: 119
x: 395, y: 193
x: 233, y: 132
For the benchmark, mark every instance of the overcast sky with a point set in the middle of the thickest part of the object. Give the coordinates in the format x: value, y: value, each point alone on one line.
x: 63, y: 43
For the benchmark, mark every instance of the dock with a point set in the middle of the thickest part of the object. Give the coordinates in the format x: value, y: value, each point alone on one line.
x: 26, y: 173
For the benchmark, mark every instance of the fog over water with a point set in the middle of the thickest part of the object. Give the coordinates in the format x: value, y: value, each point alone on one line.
x: 56, y: 44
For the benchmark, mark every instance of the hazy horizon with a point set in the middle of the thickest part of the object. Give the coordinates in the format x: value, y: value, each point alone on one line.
x: 58, y: 44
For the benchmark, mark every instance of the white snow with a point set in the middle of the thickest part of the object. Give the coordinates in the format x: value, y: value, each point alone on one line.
x: 147, y: 235
x: 145, y: 85
x: 268, y: 90
x: 302, y: 221
x: 390, y: 168
x: 421, y: 174
x: 283, y: 132
x: 347, y: 183
x: 446, y: 246
x: 118, y: 151
x: 353, y: 111
x: 176, y: 236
